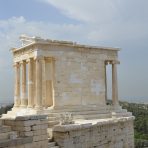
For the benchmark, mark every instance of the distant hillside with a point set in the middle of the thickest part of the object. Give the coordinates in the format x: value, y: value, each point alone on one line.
x: 5, y: 102
x: 140, y: 111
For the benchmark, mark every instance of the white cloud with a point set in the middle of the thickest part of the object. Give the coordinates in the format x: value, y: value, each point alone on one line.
x: 101, y: 11
x: 87, y: 10
x: 11, y: 29
x: 107, y: 19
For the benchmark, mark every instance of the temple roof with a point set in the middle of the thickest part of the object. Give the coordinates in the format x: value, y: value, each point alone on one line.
x: 29, y: 41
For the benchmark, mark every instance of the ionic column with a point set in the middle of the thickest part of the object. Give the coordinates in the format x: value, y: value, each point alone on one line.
x: 105, y: 74
x: 34, y: 82
x: 17, y: 100
x: 53, y: 80
x: 24, y: 101
x: 114, y: 83
x: 30, y: 83
x: 38, y: 104
x: 44, y: 96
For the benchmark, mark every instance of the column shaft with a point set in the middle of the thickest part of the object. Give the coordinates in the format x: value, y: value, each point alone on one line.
x: 17, y: 85
x: 53, y: 80
x: 114, y: 84
x: 30, y: 83
x: 34, y: 82
x: 105, y: 75
x: 38, y: 84
x: 44, y: 101
x: 23, y: 86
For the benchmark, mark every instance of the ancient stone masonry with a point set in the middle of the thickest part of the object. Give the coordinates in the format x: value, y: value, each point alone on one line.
x: 67, y: 82
x: 56, y: 73
x: 24, y: 132
x: 99, y: 134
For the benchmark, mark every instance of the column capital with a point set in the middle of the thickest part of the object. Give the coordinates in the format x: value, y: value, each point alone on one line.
x: 111, y: 62
x: 115, y: 62
x: 29, y: 60
x: 22, y: 62
x: 39, y: 58
x: 50, y: 59
x: 107, y: 62
x: 16, y: 64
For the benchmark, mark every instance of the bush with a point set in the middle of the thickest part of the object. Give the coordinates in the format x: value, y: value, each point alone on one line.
x: 140, y: 111
x: 3, y: 110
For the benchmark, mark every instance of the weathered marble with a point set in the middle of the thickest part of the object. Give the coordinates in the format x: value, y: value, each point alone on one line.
x: 67, y: 82
x: 65, y: 74
x: 24, y: 132
x: 109, y: 133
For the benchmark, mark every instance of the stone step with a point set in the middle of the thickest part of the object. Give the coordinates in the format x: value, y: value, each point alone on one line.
x: 52, y: 123
x: 90, y: 115
x: 93, y: 116
x: 89, y: 112
x: 52, y: 118
x: 122, y: 114
x: 7, y: 135
x: 5, y: 116
x: 77, y: 110
x: 55, y: 147
x: 51, y: 144
x: 10, y: 112
x: 81, y: 107
x: 81, y: 115
x: 57, y: 115
x: 50, y: 115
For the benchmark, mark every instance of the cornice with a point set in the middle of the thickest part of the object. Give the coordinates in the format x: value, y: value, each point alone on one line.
x: 42, y: 42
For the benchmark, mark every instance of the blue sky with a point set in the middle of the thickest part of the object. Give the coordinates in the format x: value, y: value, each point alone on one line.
x: 32, y: 10
x: 113, y: 23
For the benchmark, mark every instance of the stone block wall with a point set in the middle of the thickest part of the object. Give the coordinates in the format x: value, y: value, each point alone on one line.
x: 31, y: 132
x: 113, y: 133
x: 79, y: 74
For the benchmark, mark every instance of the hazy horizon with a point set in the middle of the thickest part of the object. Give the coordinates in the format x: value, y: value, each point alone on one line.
x: 130, y: 100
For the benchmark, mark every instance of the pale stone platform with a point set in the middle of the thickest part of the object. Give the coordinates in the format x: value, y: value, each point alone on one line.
x: 103, y: 133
